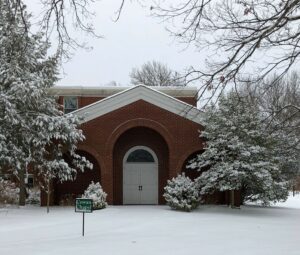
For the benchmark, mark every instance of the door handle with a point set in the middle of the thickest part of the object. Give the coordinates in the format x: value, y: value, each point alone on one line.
x: 140, y: 187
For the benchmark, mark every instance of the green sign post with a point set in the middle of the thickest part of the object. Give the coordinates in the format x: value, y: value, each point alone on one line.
x: 83, y: 205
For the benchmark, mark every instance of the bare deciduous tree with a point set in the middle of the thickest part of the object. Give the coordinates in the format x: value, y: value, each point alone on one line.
x: 239, y: 33
x: 155, y: 74
x: 278, y: 99
x: 59, y: 18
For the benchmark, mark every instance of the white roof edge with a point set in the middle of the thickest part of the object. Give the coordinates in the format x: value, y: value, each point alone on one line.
x: 134, y: 94
x: 107, y: 91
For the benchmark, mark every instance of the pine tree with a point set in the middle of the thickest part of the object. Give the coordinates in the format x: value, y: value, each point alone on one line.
x: 242, y: 153
x: 33, y: 131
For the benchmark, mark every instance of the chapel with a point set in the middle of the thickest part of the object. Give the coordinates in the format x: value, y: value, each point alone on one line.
x: 136, y: 138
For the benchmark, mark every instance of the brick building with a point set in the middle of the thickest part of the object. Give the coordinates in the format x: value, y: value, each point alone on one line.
x: 137, y: 138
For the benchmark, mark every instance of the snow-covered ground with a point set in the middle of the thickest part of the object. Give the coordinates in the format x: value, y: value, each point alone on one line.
x: 153, y: 230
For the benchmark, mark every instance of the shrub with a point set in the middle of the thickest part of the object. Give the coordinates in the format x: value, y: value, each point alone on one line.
x: 95, y: 192
x: 34, y: 196
x: 181, y: 193
x: 9, y: 192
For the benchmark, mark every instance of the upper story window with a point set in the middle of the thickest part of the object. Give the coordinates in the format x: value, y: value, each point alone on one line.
x: 70, y: 104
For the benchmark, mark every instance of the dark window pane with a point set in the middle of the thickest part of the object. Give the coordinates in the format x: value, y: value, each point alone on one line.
x: 30, y: 181
x: 140, y: 155
x: 70, y: 104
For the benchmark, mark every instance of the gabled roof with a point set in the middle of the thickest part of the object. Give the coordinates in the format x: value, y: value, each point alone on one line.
x: 134, y: 94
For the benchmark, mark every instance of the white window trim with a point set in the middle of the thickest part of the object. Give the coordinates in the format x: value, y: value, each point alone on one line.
x: 140, y: 148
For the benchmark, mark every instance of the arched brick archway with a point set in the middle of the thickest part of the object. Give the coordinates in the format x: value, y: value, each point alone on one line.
x: 215, y: 198
x: 66, y: 192
x: 139, y: 122
x: 90, y: 150
x: 139, y: 136
x: 191, y: 173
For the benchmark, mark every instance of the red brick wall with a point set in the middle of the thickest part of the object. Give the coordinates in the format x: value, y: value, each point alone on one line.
x: 189, y: 100
x: 84, y: 101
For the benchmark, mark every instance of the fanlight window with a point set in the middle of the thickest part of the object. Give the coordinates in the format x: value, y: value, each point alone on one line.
x: 140, y: 155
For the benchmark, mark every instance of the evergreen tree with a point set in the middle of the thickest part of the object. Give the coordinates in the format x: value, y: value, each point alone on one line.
x: 242, y: 153
x: 33, y: 131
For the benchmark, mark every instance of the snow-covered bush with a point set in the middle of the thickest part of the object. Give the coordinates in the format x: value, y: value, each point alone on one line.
x: 9, y: 192
x: 95, y: 192
x: 181, y: 193
x: 34, y: 196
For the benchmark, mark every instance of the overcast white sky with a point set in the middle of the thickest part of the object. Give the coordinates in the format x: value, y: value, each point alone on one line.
x: 130, y: 42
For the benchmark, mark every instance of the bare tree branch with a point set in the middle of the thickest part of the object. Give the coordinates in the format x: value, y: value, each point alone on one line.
x: 56, y: 16
x: 246, y: 36
x: 119, y: 11
x: 155, y: 74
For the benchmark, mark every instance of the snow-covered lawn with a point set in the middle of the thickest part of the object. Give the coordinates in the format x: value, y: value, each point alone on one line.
x: 153, y: 230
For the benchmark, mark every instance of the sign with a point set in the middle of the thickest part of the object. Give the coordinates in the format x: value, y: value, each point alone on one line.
x: 84, y: 205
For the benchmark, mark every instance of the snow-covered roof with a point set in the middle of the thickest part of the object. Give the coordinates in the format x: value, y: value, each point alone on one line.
x: 134, y: 94
x: 108, y: 91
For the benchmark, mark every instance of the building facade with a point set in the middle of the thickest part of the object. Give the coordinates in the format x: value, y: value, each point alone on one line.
x: 137, y: 138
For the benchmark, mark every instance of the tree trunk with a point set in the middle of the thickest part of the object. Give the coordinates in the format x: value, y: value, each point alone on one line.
x: 48, y: 195
x: 294, y: 189
x: 232, y: 198
x: 22, y: 193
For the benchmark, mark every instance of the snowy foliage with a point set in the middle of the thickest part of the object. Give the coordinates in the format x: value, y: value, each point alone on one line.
x: 181, y: 193
x: 95, y: 192
x: 34, y: 196
x: 241, y: 153
x: 32, y: 128
x: 9, y: 192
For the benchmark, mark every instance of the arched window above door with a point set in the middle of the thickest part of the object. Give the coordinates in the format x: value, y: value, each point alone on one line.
x: 140, y: 155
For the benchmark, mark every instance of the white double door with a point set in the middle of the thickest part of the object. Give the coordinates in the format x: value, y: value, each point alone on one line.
x: 140, y: 183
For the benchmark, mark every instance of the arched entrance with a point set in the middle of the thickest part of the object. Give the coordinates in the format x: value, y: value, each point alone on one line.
x: 140, y: 176
x: 150, y: 142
